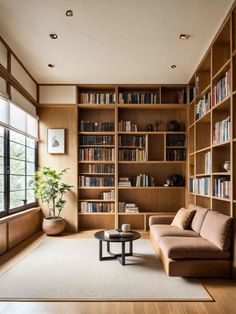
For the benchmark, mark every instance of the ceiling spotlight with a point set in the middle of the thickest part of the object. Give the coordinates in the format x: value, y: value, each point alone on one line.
x: 173, y: 66
x: 184, y: 36
x: 69, y: 13
x: 53, y: 36
x: 50, y: 65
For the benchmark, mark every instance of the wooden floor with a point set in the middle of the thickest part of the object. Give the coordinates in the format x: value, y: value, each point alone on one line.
x: 223, y: 292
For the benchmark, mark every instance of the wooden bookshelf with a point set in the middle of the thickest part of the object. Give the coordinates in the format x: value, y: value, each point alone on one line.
x: 159, y: 148
x: 217, y: 61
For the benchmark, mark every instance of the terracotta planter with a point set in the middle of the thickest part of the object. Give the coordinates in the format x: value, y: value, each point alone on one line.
x: 53, y: 226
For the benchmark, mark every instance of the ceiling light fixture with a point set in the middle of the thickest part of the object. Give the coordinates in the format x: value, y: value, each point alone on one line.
x: 50, y: 65
x: 69, y: 13
x: 183, y: 36
x: 173, y: 66
x: 53, y: 36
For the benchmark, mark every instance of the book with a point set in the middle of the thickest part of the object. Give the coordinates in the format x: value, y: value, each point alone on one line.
x: 99, y: 154
x: 91, y: 126
x: 96, y: 140
x: 203, y: 106
x: 222, y: 89
x: 96, y: 181
x: 139, y: 97
x: 96, y: 207
x: 114, y: 234
x: 221, y: 132
x: 98, y: 98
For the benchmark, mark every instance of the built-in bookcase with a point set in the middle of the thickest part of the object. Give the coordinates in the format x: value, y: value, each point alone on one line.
x: 133, y: 135
x: 211, y: 117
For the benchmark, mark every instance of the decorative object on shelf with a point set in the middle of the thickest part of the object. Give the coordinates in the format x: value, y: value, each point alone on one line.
x: 154, y: 127
x: 125, y: 227
x: 174, y: 126
x: 168, y: 183
x: 227, y: 165
x: 177, y: 180
x: 56, y: 141
x: 50, y: 190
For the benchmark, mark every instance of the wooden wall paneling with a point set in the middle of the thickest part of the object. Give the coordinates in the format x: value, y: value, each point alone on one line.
x: 3, y: 238
x: 66, y: 118
x: 23, y: 227
x: 96, y: 221
x: 58, y: 94
x: 3, y: 55
x: 136, y: 221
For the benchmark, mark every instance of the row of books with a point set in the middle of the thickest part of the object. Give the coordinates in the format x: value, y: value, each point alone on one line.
x: 208, y: 163
x: 124, y: 207
x: 138, y: 98
x: 203, y: 106
x: 143, y: 180
x: 108, y: 195
x: 91, y: 126
x: 132, y: 155
x: 98, y: 98
x: 222, y: 89
x: 200, y: 186
x: 92, y: 207
x: 175, y: 140
x: 99, y: 154
x: 175, y: 154
x: 92, y: 168
x: 127, y: 126
x: 132, y: 140
x: 96, y: 181
x: 96, y: 140
x: 222, y: 187
x: 221, y: 131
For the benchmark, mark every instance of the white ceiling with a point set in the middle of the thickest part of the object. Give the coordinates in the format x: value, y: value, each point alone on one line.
x: 111, y: 41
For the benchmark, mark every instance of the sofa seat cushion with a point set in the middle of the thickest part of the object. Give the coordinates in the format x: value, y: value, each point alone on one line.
x: 198, y: 218
x: 191, y: 248
x: 158, y: 231
x: 217, y: 228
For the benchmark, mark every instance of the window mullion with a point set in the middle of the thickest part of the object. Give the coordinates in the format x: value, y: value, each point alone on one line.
x: 7, y: 170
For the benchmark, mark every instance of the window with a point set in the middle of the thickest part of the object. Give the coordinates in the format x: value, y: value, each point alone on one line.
x: 18, y: 160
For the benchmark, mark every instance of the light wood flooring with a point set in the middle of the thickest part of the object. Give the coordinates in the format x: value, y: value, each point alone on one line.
x: 223, y: 292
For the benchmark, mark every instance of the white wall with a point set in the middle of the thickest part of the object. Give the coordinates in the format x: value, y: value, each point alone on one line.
x: 57, y: 95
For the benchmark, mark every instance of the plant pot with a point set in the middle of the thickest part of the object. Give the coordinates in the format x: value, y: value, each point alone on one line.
x: 53, y: 225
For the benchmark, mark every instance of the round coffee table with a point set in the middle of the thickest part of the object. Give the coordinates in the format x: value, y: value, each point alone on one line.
x: 121, y: 257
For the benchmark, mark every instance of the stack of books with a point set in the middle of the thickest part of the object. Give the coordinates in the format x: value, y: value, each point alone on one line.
x: 96, y: 181
x: 98, y: 98
x: 99, y: 154
x: 222, y: 187
x: 96, y: 140
x: 175, y: 140
x: 203, y: 106
x: 143, y: 180
x: 131, y: 208
x: 132, y: 141
x: 127, y: 126
x: 89, y: 126
x: 116, y: 234
x: 208, y: 163
x: 108, y: 195
x: 124, y: 181
x: 92, y: 207
x: 222, y: 89
x: 138, y: 98
x: 221, y: 131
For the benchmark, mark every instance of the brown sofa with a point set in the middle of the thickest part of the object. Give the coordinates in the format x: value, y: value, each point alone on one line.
x: 203, y: 250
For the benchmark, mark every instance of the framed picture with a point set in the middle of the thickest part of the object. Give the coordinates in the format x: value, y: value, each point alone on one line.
x: 56, y: 141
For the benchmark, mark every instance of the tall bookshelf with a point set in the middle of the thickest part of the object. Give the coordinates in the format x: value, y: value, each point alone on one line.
x: 218, y: 65
x: 151, y: 146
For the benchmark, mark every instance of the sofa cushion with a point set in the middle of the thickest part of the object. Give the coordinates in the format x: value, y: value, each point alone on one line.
x: 158, y: 231
x: 191, y: 248
x: 217, y: 228
x: 182, y: 218
x: 198, y: 218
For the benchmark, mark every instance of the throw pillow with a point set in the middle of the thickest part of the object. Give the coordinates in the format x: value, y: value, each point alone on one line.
x: 183, y: 218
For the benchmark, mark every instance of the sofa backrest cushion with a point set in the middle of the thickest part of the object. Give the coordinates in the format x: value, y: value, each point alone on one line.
x: 198, y: 218
x: 183, y: 218
x: 217, y: 228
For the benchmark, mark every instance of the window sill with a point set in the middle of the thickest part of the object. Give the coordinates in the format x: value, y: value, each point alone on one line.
x: 19, y: 214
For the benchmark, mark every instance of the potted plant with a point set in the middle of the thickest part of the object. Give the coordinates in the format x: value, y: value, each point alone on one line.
x: 50, y: 190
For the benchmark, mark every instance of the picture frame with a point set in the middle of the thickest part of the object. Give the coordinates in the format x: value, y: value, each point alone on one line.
x: 56, y: 141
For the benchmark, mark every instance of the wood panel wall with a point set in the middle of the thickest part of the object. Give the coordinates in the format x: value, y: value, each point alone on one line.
x: 62, y: 117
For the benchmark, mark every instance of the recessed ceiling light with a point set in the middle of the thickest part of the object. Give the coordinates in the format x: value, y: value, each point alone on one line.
x: 53, y: 36
x: 50, y: 65
x: 173, y: 66
x: 184, y: 36
x: 69, y: 13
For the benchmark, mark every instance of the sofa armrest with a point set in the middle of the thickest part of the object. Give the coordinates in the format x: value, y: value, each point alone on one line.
x: 161, y: 220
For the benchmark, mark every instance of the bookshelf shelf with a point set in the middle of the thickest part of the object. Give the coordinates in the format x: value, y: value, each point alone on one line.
x: 221, y: 70
x: 221, y: 144
x: 221, y: 199
x: 222, y: 105
x: 151, y: 188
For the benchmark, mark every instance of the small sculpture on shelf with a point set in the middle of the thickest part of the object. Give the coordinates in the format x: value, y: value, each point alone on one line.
x: 174, y: 126
x: 227, y: 165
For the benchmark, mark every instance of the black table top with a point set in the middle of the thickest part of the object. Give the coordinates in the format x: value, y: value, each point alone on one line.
x: 101, y: 236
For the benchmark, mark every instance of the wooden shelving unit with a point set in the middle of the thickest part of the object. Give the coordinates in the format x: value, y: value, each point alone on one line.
x: 150, y: 199
x: 219, y: 58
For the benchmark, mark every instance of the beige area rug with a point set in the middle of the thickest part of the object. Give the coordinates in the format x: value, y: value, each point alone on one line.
x: 69, y: 270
